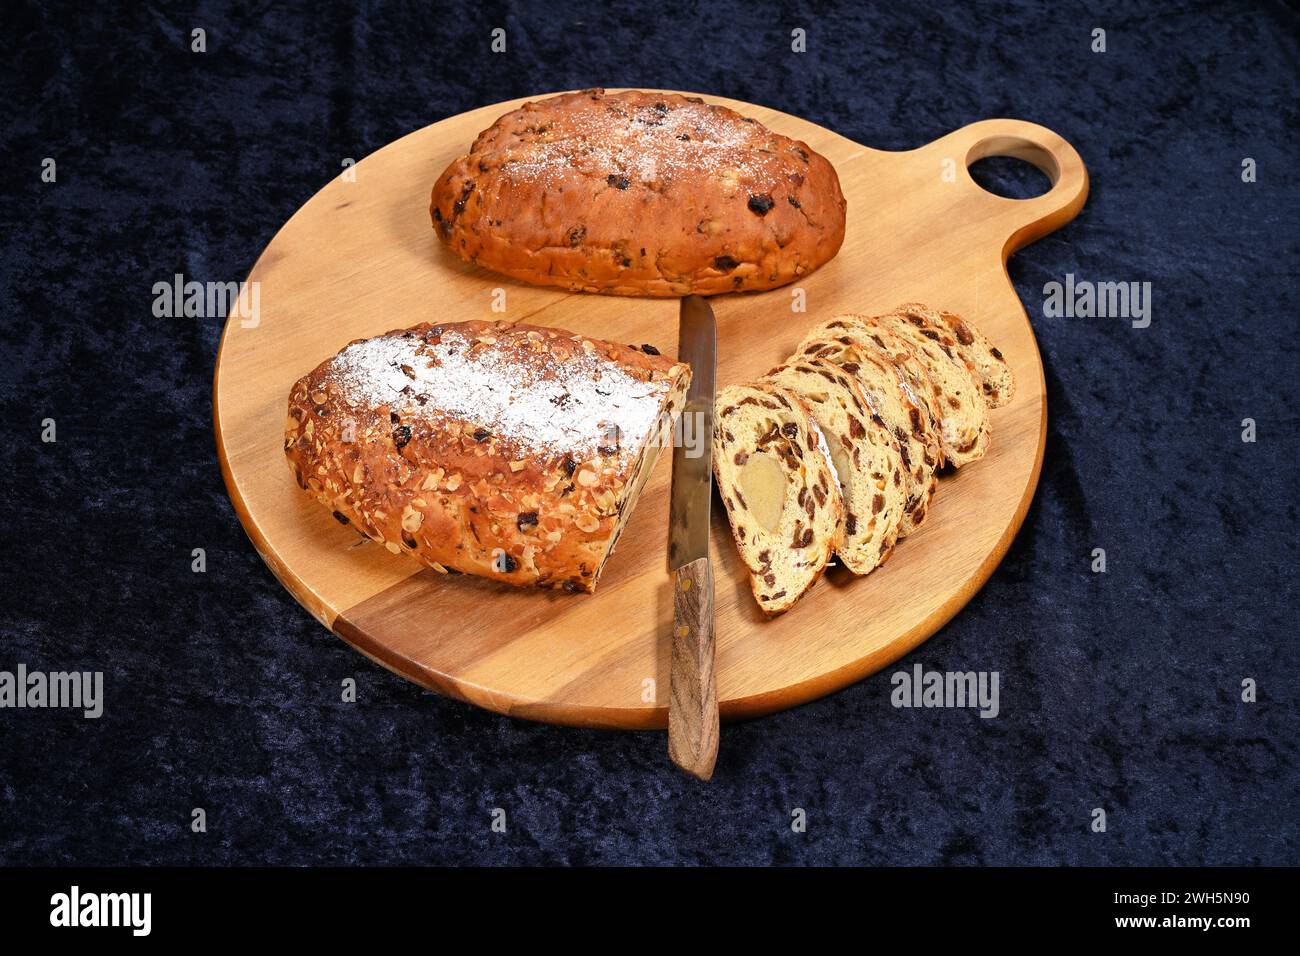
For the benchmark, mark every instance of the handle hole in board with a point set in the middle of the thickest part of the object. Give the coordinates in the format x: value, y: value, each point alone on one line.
x: 1012, y: 168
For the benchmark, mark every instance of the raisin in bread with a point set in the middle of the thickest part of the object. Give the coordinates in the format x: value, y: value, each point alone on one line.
x: 639, y: 193
x: 775, y: 476
x: 894, y: 404
x: 868, y: 464
x: 509, y: 451
x: 965, y: 429
x: 982, y: 358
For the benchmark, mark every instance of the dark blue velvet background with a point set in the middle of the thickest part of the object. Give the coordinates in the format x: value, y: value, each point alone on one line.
x: 1119, y: 691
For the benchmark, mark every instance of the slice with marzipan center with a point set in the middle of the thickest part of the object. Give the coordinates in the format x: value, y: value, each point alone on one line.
x: 775, y: 476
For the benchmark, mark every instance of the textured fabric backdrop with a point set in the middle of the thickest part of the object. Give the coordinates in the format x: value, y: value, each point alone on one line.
x: 1119, y: 690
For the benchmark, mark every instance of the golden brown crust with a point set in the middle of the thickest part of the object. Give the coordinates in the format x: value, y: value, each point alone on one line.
x: 639, y: 193
x: 508, y: 451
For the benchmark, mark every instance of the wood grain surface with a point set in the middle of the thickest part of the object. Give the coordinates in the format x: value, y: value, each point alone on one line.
x: 360, y: 258
x: 693, y: 713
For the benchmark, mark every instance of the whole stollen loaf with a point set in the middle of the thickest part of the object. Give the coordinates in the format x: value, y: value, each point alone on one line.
x: 638, y: 193
x: 509, y: 451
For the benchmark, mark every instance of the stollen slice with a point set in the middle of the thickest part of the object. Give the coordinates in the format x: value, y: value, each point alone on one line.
x: 965, y: 426
x: 776, y: 479
x: 866, y: 456
x: 982, y: 358
x: 893, y: 403
x: 917, y: 379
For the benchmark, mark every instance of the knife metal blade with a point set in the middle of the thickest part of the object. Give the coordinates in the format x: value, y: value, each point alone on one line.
x: 692, y: 491
x: 693, y: 697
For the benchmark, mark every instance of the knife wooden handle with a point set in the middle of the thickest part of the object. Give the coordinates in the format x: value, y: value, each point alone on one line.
x: 693, y: 708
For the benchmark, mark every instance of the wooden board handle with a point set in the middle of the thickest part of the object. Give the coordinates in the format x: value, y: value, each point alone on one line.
x: 693, y: 709
x: 1023, y: 220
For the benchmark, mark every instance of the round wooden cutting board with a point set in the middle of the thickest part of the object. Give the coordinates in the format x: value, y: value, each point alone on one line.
x: 361, y: 258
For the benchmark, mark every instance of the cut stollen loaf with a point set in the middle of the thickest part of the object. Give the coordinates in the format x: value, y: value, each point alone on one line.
x: 982, y: 358
x: 866, y: 456
x: 893, y: 402
x: 509, y: 451
x: 639, y: 193
x: 775, y: 476
x: 965, y: 416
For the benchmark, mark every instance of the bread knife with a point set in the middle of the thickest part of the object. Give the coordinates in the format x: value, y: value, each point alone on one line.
x: 693, y: 703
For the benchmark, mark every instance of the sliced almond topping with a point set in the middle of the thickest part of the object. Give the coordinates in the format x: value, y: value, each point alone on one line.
x: 411, y: 520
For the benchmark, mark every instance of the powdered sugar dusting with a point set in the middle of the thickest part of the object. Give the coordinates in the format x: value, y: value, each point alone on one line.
x: 528, y: 396
x: 647, y: 144
x: 825, y: 450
